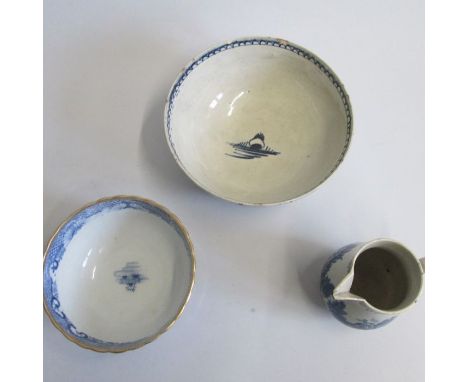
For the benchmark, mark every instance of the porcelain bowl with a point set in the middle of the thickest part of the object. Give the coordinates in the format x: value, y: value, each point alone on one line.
x: 118, y: 273
x: 258, y: 121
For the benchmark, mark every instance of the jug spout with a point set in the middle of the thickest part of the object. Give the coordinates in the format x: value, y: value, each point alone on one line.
x: 342, y: 292
x: 346, y: 296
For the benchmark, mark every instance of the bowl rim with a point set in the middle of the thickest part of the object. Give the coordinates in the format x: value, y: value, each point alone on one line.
x: 275, y: 41
x: 186, y: 237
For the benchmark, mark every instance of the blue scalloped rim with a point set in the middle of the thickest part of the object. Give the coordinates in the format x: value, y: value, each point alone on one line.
x: 55, y: 254
x: 338, y: 308
x: 281, y: 44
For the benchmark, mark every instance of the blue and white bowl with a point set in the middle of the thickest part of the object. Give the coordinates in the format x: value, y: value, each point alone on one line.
x: 118, y: 273
x: 258, y: 121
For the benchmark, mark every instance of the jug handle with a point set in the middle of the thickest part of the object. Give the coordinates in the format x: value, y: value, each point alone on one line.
x: 422, y: 261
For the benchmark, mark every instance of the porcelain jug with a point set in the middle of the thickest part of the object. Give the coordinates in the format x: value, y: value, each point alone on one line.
x: 367, y: 285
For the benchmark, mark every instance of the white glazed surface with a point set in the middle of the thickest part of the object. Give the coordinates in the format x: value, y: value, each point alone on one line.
x: 90, y: 294
x: 255, y: 313
x: 243, y: 91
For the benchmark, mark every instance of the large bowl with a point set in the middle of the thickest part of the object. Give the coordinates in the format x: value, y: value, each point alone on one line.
x: 117, y: 273
x: 258, y: 121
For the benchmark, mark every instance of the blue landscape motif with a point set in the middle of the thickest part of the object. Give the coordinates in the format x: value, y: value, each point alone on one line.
x: 130, y: 276
x: 253, y: 148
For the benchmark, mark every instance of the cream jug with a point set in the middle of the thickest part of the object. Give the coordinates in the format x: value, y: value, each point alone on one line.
x: 367, y: 285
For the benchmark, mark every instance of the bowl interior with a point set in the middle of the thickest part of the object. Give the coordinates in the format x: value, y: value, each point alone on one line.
x: 258, y: 124
x: 117, y: 274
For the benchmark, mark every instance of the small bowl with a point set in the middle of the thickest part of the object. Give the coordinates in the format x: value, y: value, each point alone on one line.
x: 118, y: 273
x: 258, y: 121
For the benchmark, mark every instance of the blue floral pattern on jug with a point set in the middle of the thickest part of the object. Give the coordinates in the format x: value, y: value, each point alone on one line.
x: 339, y: 308
x: 57, y: 249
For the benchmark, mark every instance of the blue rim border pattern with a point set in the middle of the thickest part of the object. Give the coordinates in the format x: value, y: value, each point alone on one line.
x: 262, y: 41
x: 338, y: 308
x: 56, y: 250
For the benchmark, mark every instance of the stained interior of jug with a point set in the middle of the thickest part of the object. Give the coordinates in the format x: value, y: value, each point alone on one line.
x: 387, y: 276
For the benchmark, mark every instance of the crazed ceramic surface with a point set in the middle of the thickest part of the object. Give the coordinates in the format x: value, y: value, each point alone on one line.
x: 354, y: 311
x: 117, y: 274
x: 258, y: 121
